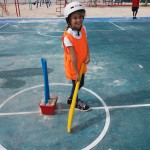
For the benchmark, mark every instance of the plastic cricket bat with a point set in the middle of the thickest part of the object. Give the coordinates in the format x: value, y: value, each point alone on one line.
x: 71, y: 111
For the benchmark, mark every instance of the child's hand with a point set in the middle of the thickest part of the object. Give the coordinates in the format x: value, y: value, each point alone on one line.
x: 87, y: 60
x: 77, y: 77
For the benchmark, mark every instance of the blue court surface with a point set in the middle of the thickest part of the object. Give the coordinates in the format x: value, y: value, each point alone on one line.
x: 117, y: 86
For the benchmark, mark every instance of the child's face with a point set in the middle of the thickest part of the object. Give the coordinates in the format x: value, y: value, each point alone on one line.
x: 76, y: 20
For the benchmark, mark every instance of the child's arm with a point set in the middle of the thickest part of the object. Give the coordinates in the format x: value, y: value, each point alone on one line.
x: 87, y: 59
x: 74, y: 61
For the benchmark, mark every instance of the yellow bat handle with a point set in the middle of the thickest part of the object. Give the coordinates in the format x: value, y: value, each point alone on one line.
x: 71, y: 111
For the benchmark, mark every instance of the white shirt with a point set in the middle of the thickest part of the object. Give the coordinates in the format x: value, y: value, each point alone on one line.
x: 74, y: 33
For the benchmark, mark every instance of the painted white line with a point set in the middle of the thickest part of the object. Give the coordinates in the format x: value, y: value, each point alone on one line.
x: 2, y: 148
x: 30, y: 112
x: 18, y: 32
x: 117, y: 26
x: 47, y: 35
x: 4, y: 25
x: 101, y: 30
x: 123, y: 106
x: 18, y: 94
x: 55, y: 32
x: 107, y: 122
x: 19, y: 113
x: 65, y: 110
x: 106, y: 126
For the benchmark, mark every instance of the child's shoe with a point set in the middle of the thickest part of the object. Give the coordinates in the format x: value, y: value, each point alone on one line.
x: 69, y: 101
x: 81, y: 105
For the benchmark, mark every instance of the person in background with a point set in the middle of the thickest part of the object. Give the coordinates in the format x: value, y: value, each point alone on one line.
x: 76, y: 50
x: 135, y: 7
x: 48, y: 3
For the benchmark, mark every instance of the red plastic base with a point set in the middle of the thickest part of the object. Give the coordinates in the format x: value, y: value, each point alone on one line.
x: 50, y: 108
x: 47, y: 110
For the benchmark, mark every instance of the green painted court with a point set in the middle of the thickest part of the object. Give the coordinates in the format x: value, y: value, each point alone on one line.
x: 117, y: 86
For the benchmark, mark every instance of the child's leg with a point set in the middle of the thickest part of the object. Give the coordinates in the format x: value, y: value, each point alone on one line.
x: 82, y: 82
x: 136, y: 13
x: 72, y: 90
x: 79, y: 103
x: 37, y: 4
x: 74, y: 85
x: 133, y: 13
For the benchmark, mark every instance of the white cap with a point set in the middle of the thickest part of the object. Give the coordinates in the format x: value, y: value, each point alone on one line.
x: 72, y: 7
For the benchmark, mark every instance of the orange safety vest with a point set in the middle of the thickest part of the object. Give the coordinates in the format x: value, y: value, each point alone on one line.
x: 80, y: 46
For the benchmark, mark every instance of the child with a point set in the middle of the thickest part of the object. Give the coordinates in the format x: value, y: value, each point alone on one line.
x: 135, y: 7
x: 76, y: 49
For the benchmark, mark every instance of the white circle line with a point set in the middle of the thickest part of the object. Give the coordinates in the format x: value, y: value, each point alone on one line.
x: 18, y: 94
x: 2, y: 148
x: 107, y: 122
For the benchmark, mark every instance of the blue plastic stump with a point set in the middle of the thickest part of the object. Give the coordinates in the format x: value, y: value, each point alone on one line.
x: 46, y: 83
